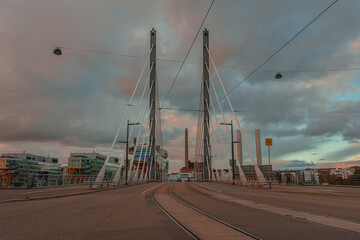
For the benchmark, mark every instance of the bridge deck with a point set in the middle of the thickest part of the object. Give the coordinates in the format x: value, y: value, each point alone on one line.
x: 130, y: 212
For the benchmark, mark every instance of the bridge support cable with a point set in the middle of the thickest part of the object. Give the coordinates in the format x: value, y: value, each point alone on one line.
x: 138, y: 177
x: 206, y: 142
x: 141, y: 151
x: 209, y: 166
x: 211, y: 170
x: 117, y: 177
x: 139, y: 105
x: 147, y: 149
x: 219, y: 133
x: 138, y: 135
x: 217, y: 126
x: 159, y: 155
x: 147, y: 154
x: 198, y: 149
x: 158, y: 117
x: 136, y: 145
x: 200, y: 153
x: 206, y: 124
x: 216, y: 161
x: 241, y: 172
x: 141, y: 124
x: 143, y: 143
x: 100, y: 176
x: 148, y: 167
x: 259, y: 174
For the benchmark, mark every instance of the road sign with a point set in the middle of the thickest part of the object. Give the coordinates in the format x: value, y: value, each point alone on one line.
x: 268, y: 141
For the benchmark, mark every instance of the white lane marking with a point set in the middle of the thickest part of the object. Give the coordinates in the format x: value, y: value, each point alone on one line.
x: 151, y: 188
x: 55, y: 189
x: 210, y: 188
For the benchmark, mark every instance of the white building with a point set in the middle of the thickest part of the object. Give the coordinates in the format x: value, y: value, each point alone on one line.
x: 181, y: 177
x: 338, y: 172
x: 348, y: 172
x: 28, y: 156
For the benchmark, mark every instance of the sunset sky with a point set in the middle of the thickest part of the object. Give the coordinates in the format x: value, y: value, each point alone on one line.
x: 74, y: 103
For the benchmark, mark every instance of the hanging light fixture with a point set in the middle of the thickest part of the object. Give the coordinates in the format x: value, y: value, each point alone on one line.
x: 57, y: 51
x: 278, y: 76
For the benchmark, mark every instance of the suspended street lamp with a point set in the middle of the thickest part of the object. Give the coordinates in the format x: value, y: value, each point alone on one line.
x: 57, y: 51
x: 278, y: 76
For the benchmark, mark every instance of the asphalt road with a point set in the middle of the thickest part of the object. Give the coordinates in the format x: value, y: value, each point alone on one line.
x: 341, y: 202
x: 124, y: 213
x: 130, y: 212
x: 266, y: 223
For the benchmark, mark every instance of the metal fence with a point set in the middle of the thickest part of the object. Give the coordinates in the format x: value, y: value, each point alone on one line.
x: 48, y: 180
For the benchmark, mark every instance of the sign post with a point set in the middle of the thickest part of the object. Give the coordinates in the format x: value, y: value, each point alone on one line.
x: 268, y: 142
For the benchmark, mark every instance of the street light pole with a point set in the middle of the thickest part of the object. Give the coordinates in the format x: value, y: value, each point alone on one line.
x: 268, y: 142
x: 127, y: 150
x: 232, y: 153
x: 127, y: 153
x: 269, y: 166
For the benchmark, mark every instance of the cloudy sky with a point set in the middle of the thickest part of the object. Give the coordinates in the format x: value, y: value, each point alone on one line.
x: 60, y: 104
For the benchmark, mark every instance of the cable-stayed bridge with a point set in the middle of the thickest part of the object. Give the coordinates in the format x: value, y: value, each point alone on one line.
x: 147, y: 207
x: 209, y: 139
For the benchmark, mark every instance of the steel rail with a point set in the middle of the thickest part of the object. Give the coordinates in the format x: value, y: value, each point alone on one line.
x: 173, y: 218
x: 212, y: 217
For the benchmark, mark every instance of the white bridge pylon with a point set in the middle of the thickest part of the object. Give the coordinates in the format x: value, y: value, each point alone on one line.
x: 149, y: 133
x: 203, y: 143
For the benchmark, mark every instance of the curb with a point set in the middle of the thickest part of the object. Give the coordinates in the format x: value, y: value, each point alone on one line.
x: 62, y: 195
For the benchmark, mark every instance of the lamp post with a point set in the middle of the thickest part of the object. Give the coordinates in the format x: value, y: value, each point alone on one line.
x: 232, y: 150
x: 127, y: 149
x: 268, y: 142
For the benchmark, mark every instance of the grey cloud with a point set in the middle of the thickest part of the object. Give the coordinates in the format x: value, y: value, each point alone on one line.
x: 243, y: 33
x: 300, y: 163
x: 344, y: 121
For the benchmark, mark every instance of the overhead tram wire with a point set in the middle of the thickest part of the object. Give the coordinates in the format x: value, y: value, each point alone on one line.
x: 336, y: 69
x: 283, y: 46
x: 164, y: 108
x: 260, y: 111
x: 187, y: 54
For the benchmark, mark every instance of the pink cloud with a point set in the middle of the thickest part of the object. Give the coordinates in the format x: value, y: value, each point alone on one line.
x: 126, y: 85
x: 341, y: 164
x: 173, y: 118
x: 318, y: 82
x: 355, y: 46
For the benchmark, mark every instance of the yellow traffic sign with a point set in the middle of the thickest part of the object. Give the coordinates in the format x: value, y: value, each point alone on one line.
x: 268, y: 141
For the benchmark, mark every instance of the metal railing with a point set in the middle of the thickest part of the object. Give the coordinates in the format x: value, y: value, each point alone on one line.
x: 49, y: 180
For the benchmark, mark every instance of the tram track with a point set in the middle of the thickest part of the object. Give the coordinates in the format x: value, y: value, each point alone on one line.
x: 242, y: 234
x: 172, y: 218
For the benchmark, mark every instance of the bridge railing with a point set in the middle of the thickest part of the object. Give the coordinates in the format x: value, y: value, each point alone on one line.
x: 53, y: 180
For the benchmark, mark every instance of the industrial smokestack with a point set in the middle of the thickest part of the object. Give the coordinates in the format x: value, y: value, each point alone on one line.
x: 258, y: 146
x: 239, y: 147
x: 186, y: 149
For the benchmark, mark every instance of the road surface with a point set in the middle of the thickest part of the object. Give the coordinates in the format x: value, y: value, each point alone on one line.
x: 176, y: 211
